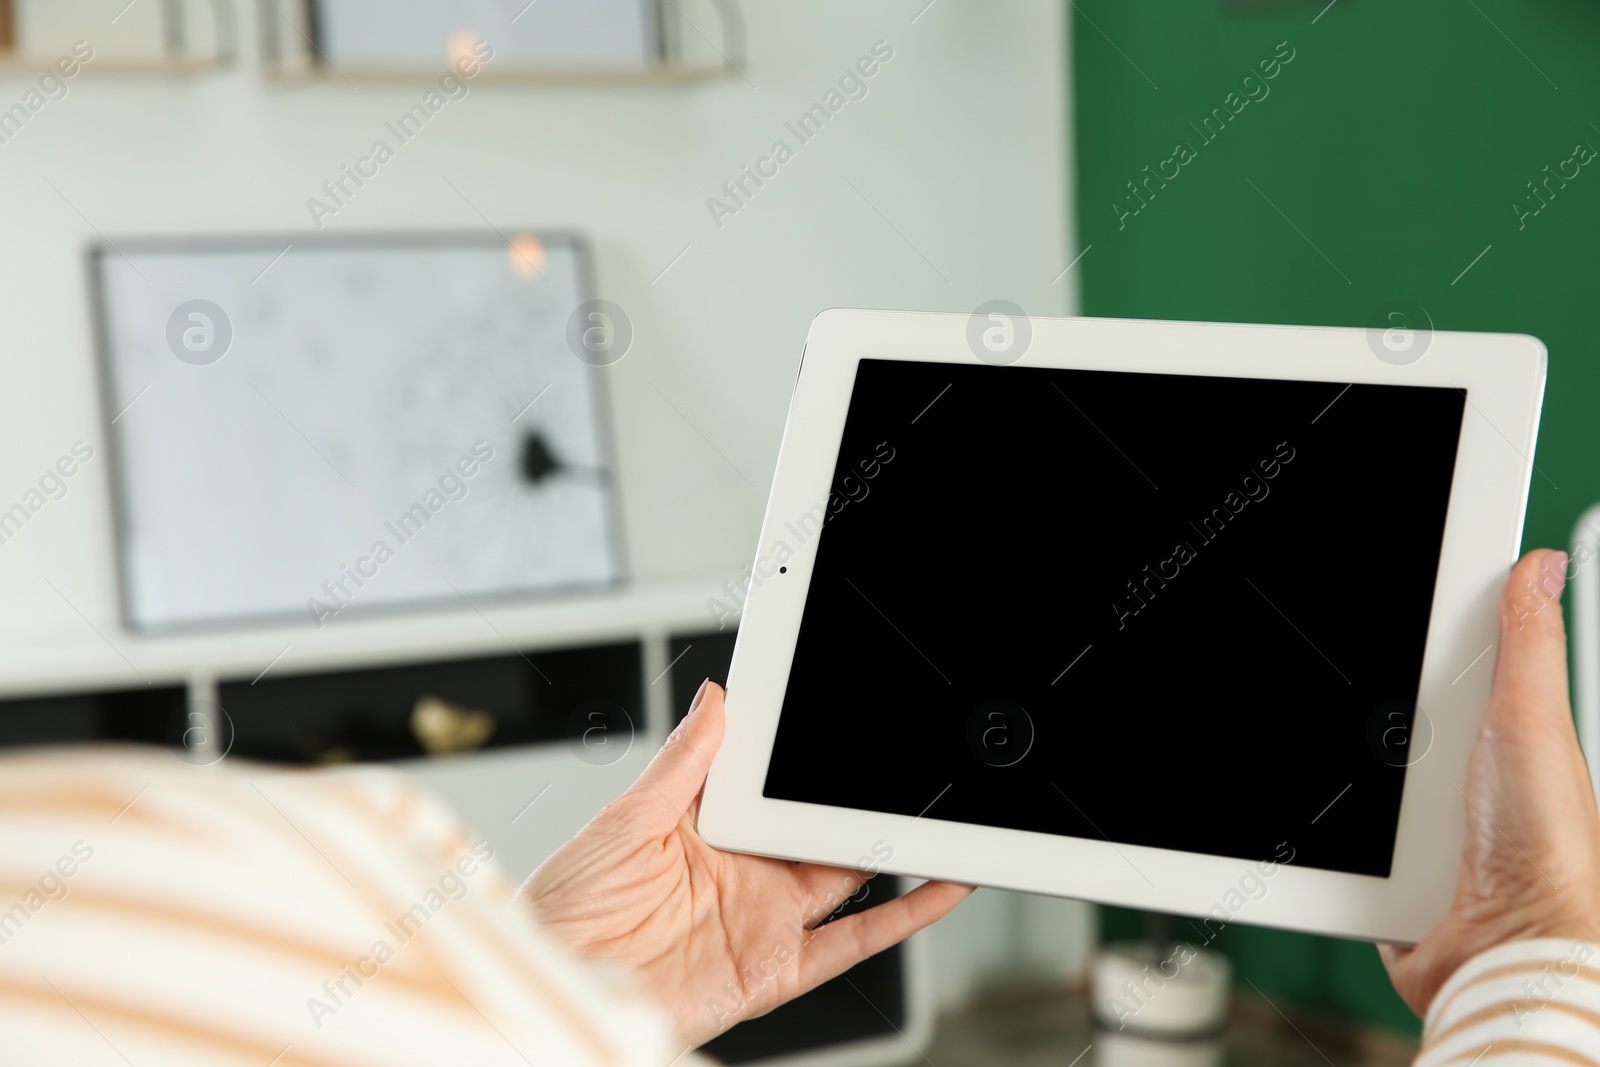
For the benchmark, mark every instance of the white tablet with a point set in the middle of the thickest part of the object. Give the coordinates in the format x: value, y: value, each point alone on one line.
x: 1191, y: 617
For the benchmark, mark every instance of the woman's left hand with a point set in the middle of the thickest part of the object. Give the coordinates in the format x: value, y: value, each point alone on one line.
x: 717, y: 936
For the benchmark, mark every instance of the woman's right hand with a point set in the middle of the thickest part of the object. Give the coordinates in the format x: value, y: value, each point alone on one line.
x: 1531, y: 865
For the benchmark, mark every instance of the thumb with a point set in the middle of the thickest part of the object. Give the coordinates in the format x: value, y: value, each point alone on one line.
x: 1530, y: 674
x: 1530, y: 865
x: 1533, y: 839
x: 675, y: 776
x: 1527, y: 779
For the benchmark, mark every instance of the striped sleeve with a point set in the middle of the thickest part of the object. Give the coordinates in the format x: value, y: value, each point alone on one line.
x: 155, y: 912
x: 1533, y: 1002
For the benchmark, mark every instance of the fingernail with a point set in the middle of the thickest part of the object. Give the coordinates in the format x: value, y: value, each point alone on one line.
x: 1553, y: 574
x: 699, y: 694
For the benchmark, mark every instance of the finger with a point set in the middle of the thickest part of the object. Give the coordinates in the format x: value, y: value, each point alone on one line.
x: 843, y: 943
x: 1528, y: 734
x: 825, y: 889
x: 1530, y: 671
x: 1394, y: 955
x: 677, y: 773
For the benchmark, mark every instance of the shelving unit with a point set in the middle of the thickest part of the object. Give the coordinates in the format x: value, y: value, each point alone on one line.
x: 642, y: 649
x: 261, y: 693
x: 197, y: 660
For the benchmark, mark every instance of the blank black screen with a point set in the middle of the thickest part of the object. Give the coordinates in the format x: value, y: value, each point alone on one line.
x: 1154, y: 609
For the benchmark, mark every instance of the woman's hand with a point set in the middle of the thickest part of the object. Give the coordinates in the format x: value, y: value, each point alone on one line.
x: 718, y: 936
x: 1531, y: 867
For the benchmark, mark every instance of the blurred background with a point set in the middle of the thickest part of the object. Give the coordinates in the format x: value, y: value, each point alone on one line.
x: 539, y: 345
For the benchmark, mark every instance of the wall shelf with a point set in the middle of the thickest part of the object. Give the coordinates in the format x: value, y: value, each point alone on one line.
x: 15, y: 64
x: 662, y: 74
x: 125, y: 660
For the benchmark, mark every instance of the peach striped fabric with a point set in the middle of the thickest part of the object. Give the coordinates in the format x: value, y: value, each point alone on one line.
x: 1531, y: 1002
x: 157, y: 913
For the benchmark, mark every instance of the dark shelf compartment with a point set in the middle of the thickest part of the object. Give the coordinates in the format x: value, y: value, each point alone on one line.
x: 364, y: 715
x: 152, y: 715
x: 695, y: 658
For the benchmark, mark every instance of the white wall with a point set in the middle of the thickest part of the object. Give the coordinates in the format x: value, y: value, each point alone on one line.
x: 958, y: 159
x: 960, y: 144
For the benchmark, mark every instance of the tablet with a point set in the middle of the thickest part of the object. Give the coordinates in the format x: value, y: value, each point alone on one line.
x: 1190, y: 617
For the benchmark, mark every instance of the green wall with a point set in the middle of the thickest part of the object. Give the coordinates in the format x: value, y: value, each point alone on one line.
x: 1392, y: 148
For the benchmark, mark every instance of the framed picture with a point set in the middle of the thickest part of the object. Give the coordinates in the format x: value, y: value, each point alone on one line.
x: 318, y: 427
x: 546, y: 33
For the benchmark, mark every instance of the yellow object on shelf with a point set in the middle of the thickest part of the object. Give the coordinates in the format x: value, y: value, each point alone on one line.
x: 445, y: 729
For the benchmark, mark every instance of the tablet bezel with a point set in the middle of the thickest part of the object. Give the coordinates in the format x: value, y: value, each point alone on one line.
x: 1503, y: 377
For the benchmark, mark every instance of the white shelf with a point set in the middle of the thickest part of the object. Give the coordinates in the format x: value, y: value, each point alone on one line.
x: 30, y: 65
x: 664, y: 73
x: 124, y: 660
